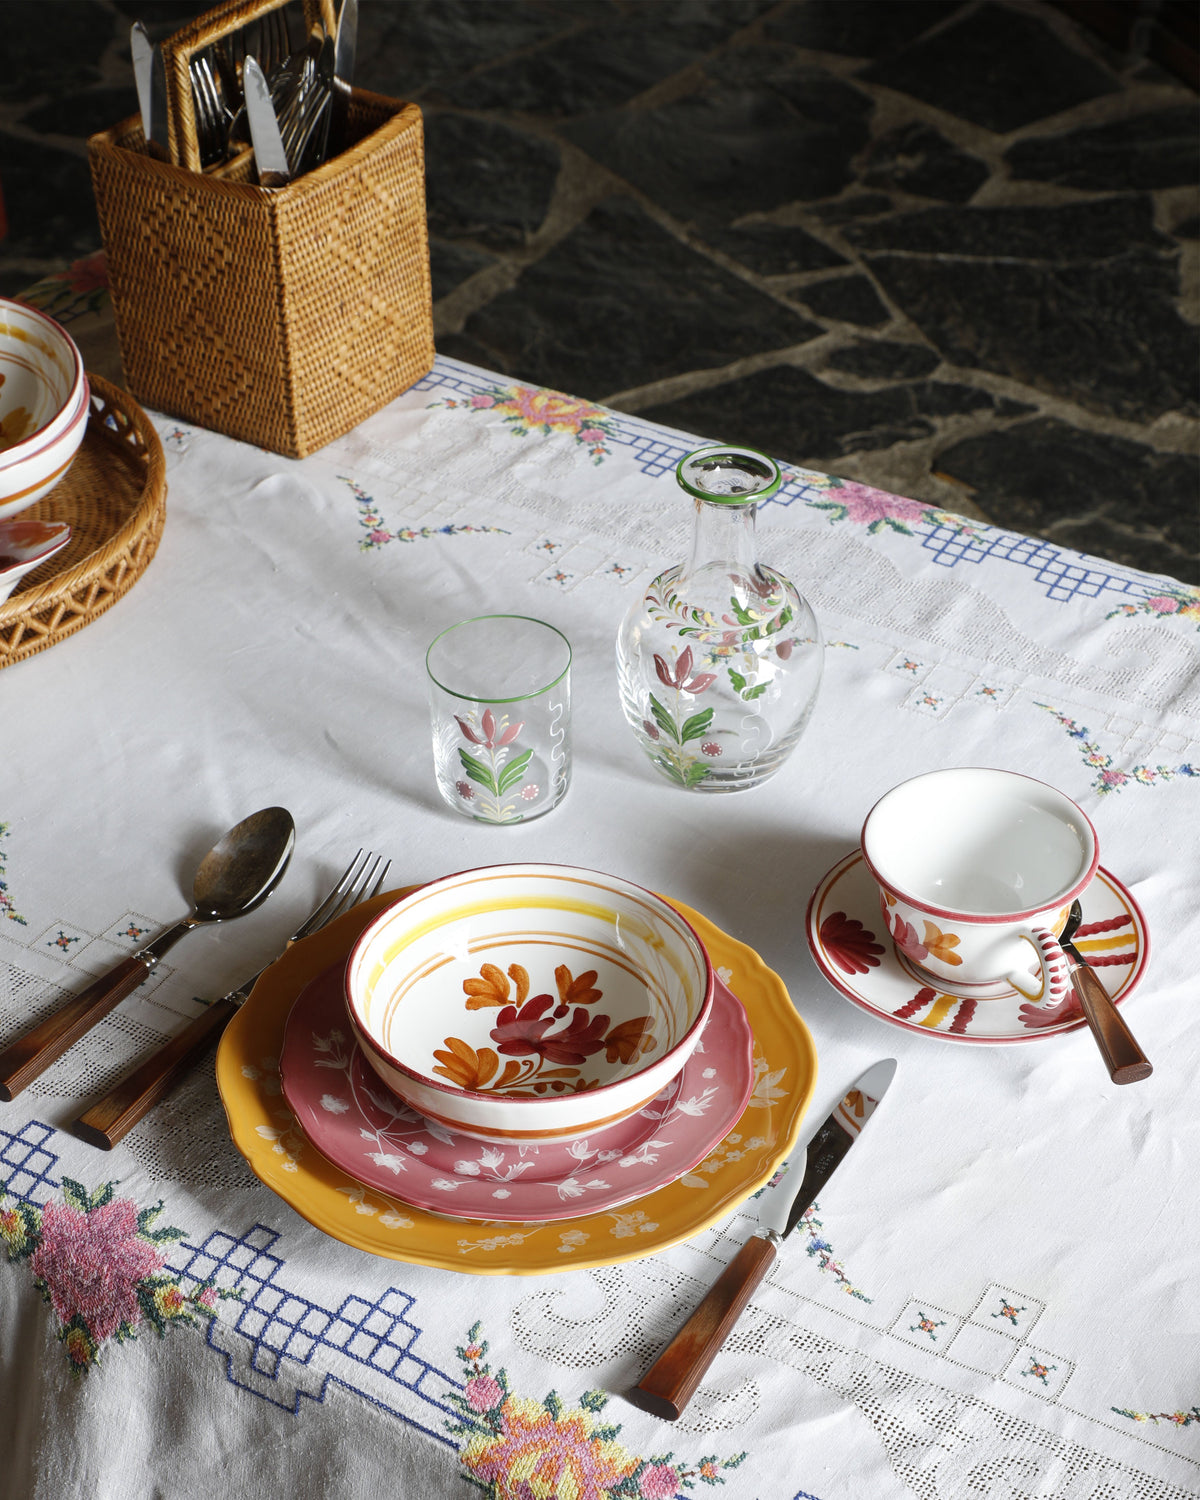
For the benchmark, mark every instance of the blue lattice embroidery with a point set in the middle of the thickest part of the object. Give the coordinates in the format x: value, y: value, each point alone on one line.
x: 951, y: 540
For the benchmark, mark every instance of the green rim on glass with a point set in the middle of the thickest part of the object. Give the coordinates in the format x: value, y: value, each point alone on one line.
x: 726, y: 474
x: 505, y: 694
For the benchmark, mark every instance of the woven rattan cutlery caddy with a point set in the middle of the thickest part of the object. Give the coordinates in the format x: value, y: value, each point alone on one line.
x: 282, y: 317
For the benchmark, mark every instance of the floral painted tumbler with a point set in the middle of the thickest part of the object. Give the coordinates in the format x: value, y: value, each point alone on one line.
x: 719, y: 663
x: 500, y: 702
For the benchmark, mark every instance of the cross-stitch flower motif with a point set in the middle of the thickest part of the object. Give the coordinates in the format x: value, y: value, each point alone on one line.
x: 527, y: 408
x: 91, y: 1263
x: 98, y: 1263
x: 377, y: 533
x: 1180, y: 603
x: 1110, y: 777
x: 69, y: 294
x: 7, y: 906
x: 861, y: 505
x: 1176, y: 1418
x: 517, y: 1448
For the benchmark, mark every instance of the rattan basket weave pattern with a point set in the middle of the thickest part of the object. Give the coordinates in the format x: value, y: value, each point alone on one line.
x: 114, y: 498
x: 283, y: 317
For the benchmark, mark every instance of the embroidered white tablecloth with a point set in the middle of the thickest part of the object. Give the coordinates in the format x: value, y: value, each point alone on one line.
x: 1000, y: 1300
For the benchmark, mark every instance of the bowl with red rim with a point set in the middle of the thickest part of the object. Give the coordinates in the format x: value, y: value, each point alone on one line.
x: 26, y: 545
x: 44, y: 405
x: 528, y: 1002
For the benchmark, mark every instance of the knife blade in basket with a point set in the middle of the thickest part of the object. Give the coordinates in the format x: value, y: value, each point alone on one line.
x: 269, y: 156
x: 150, y: 80
x: 671, y: 1381
x: 343, y: 75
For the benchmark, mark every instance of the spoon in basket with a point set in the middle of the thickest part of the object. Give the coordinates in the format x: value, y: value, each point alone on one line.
x: 1125, y: 1060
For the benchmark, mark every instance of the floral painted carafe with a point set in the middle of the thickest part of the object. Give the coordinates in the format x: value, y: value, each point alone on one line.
x: 719, y: 663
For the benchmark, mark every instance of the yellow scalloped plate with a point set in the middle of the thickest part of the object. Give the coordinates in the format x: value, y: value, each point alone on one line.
x: 266, y: 1132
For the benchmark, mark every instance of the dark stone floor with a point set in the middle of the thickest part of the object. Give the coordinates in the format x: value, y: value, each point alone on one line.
x: 948, y: 247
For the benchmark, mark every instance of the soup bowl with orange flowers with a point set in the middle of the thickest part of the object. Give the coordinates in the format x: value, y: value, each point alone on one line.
x: 528, y: 1002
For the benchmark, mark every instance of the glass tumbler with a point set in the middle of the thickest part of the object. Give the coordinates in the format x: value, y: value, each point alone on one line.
x: 500, y: 703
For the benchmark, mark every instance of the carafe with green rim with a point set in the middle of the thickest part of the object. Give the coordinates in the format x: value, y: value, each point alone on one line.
x: 719, y: 663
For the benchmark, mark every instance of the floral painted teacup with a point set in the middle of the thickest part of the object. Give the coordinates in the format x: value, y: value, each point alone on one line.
x: 977, y: 869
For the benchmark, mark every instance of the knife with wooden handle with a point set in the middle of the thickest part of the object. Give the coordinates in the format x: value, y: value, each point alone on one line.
x: 671, y: 1381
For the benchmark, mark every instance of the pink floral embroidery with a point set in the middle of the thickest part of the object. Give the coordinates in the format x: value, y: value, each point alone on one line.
x: 861, y: 505
x: 99, y: 1264
x: 377, y: 533
x: 517, y: 1448
x: 1109, y: 776
x: 67, y: 295
x: 527, y: 408
x: 1183, y: 604
x: 91, y: 1264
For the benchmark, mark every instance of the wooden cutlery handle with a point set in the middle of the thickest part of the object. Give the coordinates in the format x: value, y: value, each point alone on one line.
x: 671, y: 1381
x: 1125, y: 1060
x: 111, y: 1117
x: 30, y: 1055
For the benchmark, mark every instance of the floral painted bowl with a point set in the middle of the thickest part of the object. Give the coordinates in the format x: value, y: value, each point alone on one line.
x: 44, y: 404
x: 25, y: 545
x: 528, y: 1003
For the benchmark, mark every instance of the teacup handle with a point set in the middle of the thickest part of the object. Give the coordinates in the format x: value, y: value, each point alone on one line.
x: 1052, y: 961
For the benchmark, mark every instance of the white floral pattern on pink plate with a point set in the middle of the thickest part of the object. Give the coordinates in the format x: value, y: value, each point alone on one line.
x: 355, y: 1121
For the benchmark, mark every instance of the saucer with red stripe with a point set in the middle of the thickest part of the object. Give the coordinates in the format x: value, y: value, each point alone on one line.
x: 852, y: 948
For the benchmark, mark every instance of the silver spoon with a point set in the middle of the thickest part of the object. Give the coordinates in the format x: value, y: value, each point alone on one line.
x: 236, y: 875
x: 1125, y: 1060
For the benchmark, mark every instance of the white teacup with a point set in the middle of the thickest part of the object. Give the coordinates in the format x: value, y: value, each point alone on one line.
x: 977, y: 869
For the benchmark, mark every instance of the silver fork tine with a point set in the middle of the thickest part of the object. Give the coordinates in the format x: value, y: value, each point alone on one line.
x: 375, y: 889
x: 333, y: 901
x: 355, y: 894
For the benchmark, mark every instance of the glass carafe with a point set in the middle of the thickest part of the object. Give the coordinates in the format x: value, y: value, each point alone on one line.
x: 719, y: 662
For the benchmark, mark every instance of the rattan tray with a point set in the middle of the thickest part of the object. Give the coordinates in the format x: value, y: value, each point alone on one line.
x: 114, y: 497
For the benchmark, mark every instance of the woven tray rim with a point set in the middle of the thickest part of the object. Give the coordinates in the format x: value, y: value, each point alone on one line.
x: 146, y: 521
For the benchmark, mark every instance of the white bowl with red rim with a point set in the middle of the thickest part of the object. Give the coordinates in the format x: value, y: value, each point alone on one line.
x: 26, y: 545
x: 44, y: 405
x: 528, y: 1003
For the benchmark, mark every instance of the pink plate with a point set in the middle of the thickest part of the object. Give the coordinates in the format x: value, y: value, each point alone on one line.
x: 355, y: 1121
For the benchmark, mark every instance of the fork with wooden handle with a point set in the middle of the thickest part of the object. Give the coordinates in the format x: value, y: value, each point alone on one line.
x: 111, y: 1117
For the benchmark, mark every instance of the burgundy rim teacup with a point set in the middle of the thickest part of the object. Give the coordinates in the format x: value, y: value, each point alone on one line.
x: 977, y: 869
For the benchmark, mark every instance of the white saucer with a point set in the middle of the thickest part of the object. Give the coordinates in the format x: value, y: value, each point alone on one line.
x: 853, y: 950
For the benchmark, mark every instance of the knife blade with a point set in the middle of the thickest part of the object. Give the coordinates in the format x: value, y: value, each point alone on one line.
x: 671, y: 1381
x: 150, y: 80
x: 141, y: 49
x: 343, y: 75
x: 269, y: 156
